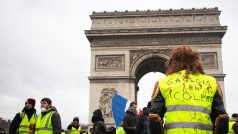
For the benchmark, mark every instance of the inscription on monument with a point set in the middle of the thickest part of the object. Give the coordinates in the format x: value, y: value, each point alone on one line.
x: 110, y: 62
x: 209, y: 60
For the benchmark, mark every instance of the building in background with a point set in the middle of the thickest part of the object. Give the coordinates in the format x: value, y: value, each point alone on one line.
x: 4, y: 125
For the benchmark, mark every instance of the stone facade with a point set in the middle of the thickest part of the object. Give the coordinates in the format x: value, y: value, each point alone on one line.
x: 127, y: 45
x: 4, y: 125
x: 153, y: 19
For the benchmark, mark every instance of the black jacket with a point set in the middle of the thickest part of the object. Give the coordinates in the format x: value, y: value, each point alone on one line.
x: 99, y: 127
x: 17, y: 120
x: 235, y: 128
x: 130, y: 121
x: 56, y: 121
x: 72, y: 125
x: 76, y: 126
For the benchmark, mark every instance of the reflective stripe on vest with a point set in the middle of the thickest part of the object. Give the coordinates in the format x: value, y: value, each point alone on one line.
x: 26, y: 126
x: 188, y: 102
x: 44, y: 125
x: 231, y: 130
x: 188, y: 108
x: 192, y: 125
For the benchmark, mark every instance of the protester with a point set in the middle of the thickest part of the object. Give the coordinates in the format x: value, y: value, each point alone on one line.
x: 190, y: 101
x: 48, y: 122
x: 99, y: 126
x: 129, y: 123
x: 130, y: 119
x: 233, y: 125
x: 74, y: 126
x: 235, y: 117
x: 98, y: 123
x: 62, y: 131
x: 120, y: 129
x: 143, y: 123
x: 24, y: 121
x: 111, y: 130
x: 149, y: 105
x: 133, y: 107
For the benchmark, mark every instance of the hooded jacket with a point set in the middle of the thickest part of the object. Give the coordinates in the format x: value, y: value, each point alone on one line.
x: 55, y: 119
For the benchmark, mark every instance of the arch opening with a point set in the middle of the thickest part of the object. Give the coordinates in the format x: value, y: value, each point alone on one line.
x: 146, y: 87
x: 148, y: 72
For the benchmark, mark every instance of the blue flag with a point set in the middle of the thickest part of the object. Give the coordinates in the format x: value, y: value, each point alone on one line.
x: 119, y: 107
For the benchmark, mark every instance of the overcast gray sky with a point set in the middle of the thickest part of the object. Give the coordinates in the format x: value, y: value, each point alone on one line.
x: 44, y: 52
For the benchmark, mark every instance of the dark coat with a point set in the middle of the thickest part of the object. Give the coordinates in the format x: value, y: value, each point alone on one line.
x: 99, y: 128
x: 143, y: 122
x: 235, y: 128
x: 130, y: 121
x: 17, y: 120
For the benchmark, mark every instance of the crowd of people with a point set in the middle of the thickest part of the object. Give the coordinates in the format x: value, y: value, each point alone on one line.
x: 186, y: 101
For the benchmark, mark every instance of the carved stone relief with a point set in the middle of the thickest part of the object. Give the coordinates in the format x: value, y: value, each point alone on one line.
x: 163, y: 21
x: 105, y: 104
x: 110, y: 62
x: 209, y: 60
x: 137, y: 54
x: 156, y: 40
x: 176, y: 19
x: 199, y: 18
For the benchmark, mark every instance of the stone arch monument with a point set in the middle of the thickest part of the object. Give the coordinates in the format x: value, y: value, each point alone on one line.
x: 127, y: 45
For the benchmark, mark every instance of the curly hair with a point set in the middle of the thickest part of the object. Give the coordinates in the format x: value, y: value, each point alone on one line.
x: 184, y: 58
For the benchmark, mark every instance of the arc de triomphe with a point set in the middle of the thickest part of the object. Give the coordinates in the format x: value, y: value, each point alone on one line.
x: 127, y: 45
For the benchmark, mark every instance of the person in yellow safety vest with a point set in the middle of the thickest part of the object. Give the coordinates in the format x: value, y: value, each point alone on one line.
x: 74, y: 127
x: 48, y: 122
x: 24, y: 122
x: 62, y: 131
x: 233, y: 124
x: 120, y: 130
x: 190, y: 101
x: 88, y: 132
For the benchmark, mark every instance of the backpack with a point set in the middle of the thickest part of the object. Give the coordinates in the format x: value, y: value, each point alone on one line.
x: 99, y: 128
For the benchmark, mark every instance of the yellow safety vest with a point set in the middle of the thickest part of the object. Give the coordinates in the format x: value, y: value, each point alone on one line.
x: 231, y: 130
x: 120, y: 130
x: 27, y: 126
x: 188, y: 102
x: 44, y: 125
x: 75, y: 131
